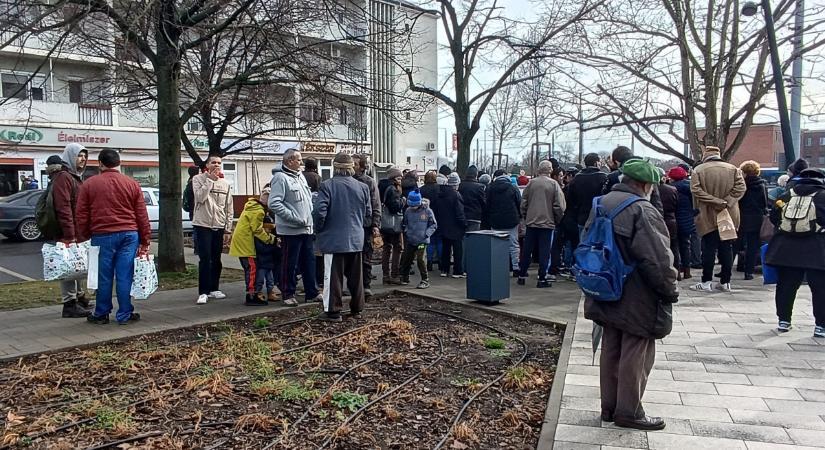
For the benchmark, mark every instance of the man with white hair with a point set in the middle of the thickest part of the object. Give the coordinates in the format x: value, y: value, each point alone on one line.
x: 343, y: 206
x: 542, y: 205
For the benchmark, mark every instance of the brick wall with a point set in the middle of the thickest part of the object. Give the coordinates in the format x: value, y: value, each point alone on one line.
x: 813, y: 147
x: 763, y: 144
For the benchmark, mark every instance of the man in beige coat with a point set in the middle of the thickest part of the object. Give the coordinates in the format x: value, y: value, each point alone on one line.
x: 542, y: 206
x: 716, y: 186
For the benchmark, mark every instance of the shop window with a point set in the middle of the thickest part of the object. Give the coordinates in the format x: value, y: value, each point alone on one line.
x: 325, y: 168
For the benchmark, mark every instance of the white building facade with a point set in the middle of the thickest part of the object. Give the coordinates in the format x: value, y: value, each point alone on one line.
x: 52, y: 100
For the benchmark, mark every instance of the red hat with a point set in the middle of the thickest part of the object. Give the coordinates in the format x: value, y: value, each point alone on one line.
x: 677, y: 173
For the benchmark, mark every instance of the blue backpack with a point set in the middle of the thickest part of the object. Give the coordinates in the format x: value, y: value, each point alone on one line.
x: 599, y: 267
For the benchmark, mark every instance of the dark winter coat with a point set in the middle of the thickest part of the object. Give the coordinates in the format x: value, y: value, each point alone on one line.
x: 430, y: 192
x: 613, y: 179
x: 409, y: 183
x: 418, y: 225
x: 670, y: 203
x: 645, y: 308
x: 342, y: 207
x: 803, y: 252
x: 753, y: 206
x: 684, y: 211
x: 503, y: 207
x: 392, y: 198
x: 266, y: 255
x: 449, y: 214
x: 313, y: 180
x: 472, y: 192
x: 383, y: 184
x: 581, y: 191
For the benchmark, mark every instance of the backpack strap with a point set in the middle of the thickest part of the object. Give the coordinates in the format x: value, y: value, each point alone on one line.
x: 629, y: 201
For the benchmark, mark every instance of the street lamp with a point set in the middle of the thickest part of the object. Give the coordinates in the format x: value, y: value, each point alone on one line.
x: 749, y: 9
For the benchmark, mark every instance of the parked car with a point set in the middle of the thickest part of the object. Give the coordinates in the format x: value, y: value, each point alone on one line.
x: 17, y: 219
x: 17, y: 215
x: 152, y: 198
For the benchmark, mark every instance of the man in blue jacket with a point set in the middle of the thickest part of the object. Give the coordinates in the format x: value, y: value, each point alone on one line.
x: 341, y: 210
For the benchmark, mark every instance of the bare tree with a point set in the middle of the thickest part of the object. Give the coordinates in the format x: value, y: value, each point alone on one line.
x: 505, y: 117
x: 479, y: 33
x: 674, y: 72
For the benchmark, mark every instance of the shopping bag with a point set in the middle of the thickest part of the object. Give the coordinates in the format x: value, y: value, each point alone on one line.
x: 145, y: 279
x: 727, y: 229
x: 91, y: 275
x: 65, y: 262
x: 769, y: 275
x: 767, y: 230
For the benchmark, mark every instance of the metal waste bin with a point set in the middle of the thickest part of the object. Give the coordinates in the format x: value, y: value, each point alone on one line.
x: 487, y: 257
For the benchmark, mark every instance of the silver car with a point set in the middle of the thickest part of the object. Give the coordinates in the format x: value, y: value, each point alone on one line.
x: 152, y: 198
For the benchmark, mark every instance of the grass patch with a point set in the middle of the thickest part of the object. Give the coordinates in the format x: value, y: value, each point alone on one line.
x: 283, y: 389
x: 349, y: 400
x: 261, y: 322
x: 493, y: 343
x: 33, y: 294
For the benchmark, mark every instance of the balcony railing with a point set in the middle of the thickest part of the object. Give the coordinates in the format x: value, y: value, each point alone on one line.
x: 6, y: 36
x: 285, y: 128
x: 91, y: 114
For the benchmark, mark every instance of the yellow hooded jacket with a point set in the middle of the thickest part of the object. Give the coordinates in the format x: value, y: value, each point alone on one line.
x: 250, y: 226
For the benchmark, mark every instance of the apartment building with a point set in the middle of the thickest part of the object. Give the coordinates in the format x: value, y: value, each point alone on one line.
x: 54, y: 99
x: 813, y: 147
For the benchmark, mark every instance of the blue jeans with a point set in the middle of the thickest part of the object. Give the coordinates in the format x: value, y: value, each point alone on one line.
x: 297, y: 250
x: 514, y: 248
x: 116, y: 261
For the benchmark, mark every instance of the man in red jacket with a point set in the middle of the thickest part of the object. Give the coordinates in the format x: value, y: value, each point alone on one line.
x: 65, y: 186
x: 111, y: 210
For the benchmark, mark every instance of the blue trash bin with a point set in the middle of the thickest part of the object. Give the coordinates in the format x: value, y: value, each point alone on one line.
x: 487, y: 256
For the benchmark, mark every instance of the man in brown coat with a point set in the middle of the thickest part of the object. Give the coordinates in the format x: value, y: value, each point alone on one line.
x: 716, y: 186
x: 644, y: 312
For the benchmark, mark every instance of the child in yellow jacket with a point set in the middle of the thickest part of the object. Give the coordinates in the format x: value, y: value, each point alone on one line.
x: 250, y: 227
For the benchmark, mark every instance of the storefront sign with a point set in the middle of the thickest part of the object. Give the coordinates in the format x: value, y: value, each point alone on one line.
x: 318, y: 147
x: 352, y: 149
x: 63, y: 137
x: 21, y: 135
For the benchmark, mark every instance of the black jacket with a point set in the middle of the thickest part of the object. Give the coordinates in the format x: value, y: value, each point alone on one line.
x: 503, y: 206
x: 392, y: 199
x: 581, y: 191
x: 613, y: 179
x: 472, y: 192
x: 685, y: 213
x: 383, y: 184
x: 753, y: 206
x: 803, y: 252
x: 670, y: 204
x: 449, y: 214
x: 408, y: 184
x: 645, y: 308
x: 430, y: 192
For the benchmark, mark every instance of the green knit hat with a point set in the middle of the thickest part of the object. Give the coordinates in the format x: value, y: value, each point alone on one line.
x: 641, y: 170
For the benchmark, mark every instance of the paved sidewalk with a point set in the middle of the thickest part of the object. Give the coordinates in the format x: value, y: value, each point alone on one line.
x: 724, y: 379
x: 36, y: 330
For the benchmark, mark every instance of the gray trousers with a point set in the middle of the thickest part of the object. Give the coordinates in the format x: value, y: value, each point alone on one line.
x: 70, y: 290
x: 626, y: 362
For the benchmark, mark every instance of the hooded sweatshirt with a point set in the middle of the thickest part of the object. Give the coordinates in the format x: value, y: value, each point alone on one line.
x: 290, y: 202
x: 65, y: 187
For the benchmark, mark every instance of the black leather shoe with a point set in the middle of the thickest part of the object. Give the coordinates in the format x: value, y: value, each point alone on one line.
x: 607, y: 416
x: 543, y: 284
x: 646, y: 423
x: 97, y: 320
x: 748, y: 276
x: 326, y: 318
x: 134, y: 317
x: 521, y: 281
x: 72, y: 310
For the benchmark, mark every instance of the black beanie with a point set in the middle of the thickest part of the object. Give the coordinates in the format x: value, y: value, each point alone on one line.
x: 444, y: 170
x: 472, y: 173
x: 798, y: 166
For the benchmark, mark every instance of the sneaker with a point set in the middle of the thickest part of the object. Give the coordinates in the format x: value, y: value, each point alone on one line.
x: 705, y: 286
x: 134, y: 317
x: 783, y: 327
x: 327, y: 318
x: 91, y: 318
x: 217, y: 295
x: 459, y: 275
x: 317, y: 299
x: 405, y: 282
x: 521, y: 281
x: 71, y: 310
x: 819, y: 332
x: 443, y: 275
x: 202, y: 299
x: 551, y: 278
x: 424, y: 284
x: 541, y: 284
x: 256, y: 300
x: 724, y: 287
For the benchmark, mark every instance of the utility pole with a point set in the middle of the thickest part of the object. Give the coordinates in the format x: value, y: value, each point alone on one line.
x: 796, y: 86
x: 581, y: 131
x: 475, y: 160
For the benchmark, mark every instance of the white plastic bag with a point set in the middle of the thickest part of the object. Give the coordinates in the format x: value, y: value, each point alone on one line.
x: 145, y: 279
x: 91, y: 276
x: 65, y: 262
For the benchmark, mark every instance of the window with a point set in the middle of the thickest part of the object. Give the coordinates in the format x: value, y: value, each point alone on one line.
x: 822, y: 141
x: 311, y: 113
x: 809, y: 142
x: 820, y: 160
x: 147, y: 198
x: 75, y: 91
x: 342, y: 115
x: 23, y: 86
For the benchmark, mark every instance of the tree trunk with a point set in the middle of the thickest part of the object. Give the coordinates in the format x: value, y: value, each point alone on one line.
x: 170, y: 237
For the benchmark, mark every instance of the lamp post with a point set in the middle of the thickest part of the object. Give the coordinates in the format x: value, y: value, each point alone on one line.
x: 749, y: 9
